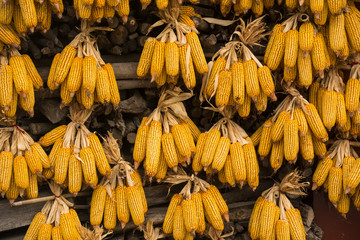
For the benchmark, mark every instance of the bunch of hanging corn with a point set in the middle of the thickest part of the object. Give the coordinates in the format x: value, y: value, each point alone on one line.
x: 21, y: 162
x: 18, y: 75
x: 120, y: 195
x: 28, y: 15
x: 241, y: 7
x: 188, y: 210
x: 273, y: 216
x: 295, y: 127
x: 96, y: 10
x: 81, y: 72
x: 236, y: 76
x: 175, y: 51
x: 328, y: 96
x: 339, y: 174
x: 76, y: 153
x: 56, y: 219
x: 167, y: 137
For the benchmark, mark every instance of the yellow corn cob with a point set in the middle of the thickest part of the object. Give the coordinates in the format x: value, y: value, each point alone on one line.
x: 89, y: 70
x: 335, y: 184
x: 265, y: 139
x: 68, y: 227
x: 315, y: 122
x: 321, y: 17
x: 179, y: 133
x: 13, y: 192
x: 64, y: 64
x: 179, y: 230
x: 169, y: 149
x: 62, y: 165
x: 6, y: 163
x: 169, y: 217
x: 223, y: 208
x: 146, y: 57
x: 320, y: 95
x: 197, y: 53
x: 47, y: 173
x: 33, y: 162
x: 123, y: 9
x: 225, y: 7
x: 196, y: 197
x: 328, y: 108
x: 347, y: 166
x: 222, y: 151
x: 110, y: 211
x: 282, y: 229
x: 137, y: 179
x: 76, y: 219
x: 347, y: 126
x: 277, y: 51
x: 65, y: 93
x: 53, y: 69
x: 291, y: 4
x: 44, y: 231
x: 291, y: 140
x: 299, y: 116
x: 102, y: 86
x: 158, y: 61
x: 238, y: 82
x: 334, y: 6
x: 195, y: 132
x: 261, y: 102
x: 267, y: 219
x: 123, y: 212
x: 56, y: 233
x: 32, y: 72
x: 210, y: 146
x: 277, y: 129
x: 97, y: 205
x: 13, y: 106
x: 356, y: 198
x: 290, y: 74
x: 36, y: 147
x: 352, y: 29
x: 189, y: 214
x: 252, y: 166
x: 352, y: 94
x: 51, y: 137
x: 32, y: 191
x: 305, y: 75
x: 212, y: 211
x: 101, y: 161
x: 189, y: 138
x: 114, y: 90
x: 153, y: 146
x: 238, y: 162
x: 112, y: 3
x: 222, y: 176
x: 255, y: 138
x: 21, y: 175
x: 336, y: 37
x: 28, y: 103
x: 266, y: 82
x: 162, y: 168
x: 229, y: 173
x: 251, y: 79
x: 200, y: 146
x: 353, y: 179
x: 6, y: 82
x: 21, y: 80
x: 307, y: 147
x: 291, y: 48
x: 218, y: 66
x: 187, y: 70
x: 254, y: 223
x: 172, y: 56
x: 35, y: 225
x: 276, y: 30
x: 318, y: 54
x: 258, y: 7
x: 140, y: 142
x: 297, y: 230
x: 75, y: 175
x: 29, y: 13
x: 186, y: 20
x: 8, y: 36
x: 244, y: 109
x: 343, y: 205
x: 84, y: 10
x: 355, y: 129
x: 54, y: 151
x: 316, y: 6
x: 161, y: 4
x: 245, y: 5
x: 277, y: 155
x: 133, y: 197
x: 6, y: 12
x: 88, y: 166
x: 313, y: 90
x: 224, y: 89
x: 306, y: 36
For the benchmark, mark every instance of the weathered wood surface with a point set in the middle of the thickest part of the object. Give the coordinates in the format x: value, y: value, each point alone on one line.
x: 157, y: 197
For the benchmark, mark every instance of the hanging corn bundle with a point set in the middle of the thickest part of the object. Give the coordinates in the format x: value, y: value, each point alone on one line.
x: 19, y: 77
x: 301, y: 47
x: 328, y: 96
x: 167, y: 137
x: 295, y: 127
x: 58, y: 219
x: 28, y: 15
x: 175, y: 51
x: 76, y: 153
x: 80, y: 70
x: 197, y: 201
x: 339, y: 174
x: 236, y: 76
x: 22, y: 161
x: 273, y: 215
x: 120, y: 195
x: 96, y: 10
x: 227, y: 149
